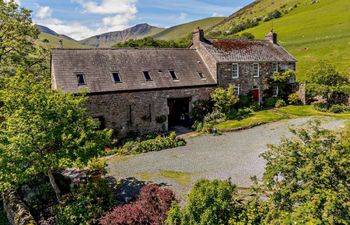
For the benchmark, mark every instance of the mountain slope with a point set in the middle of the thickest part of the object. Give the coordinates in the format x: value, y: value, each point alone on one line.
x: 181, y: 31
x: 54, y: 41
x: 49, y: 38
x: 108, y: 39
x: 312, y: 30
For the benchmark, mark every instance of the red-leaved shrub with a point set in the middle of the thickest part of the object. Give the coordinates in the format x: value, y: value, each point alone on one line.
x: 150, y: 208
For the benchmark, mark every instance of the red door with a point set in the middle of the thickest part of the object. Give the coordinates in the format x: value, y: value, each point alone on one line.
x: 256, y: 95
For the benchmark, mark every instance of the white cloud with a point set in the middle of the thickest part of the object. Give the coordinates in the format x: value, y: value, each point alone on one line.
x: 216, y: 14
x: 117, y: 22
x: 182, y: 16
x: 43, y: 12
x: 109, y: 6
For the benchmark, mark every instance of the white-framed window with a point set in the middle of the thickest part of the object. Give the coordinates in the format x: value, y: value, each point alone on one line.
x: 237, y: 89
x: 274, y: 68
x: 275, y: 91
x: 235, y: 70
x: 256, y: 70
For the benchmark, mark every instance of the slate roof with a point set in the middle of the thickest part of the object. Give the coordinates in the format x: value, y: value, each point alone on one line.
x: 97, y: 66
x: 247, y: 51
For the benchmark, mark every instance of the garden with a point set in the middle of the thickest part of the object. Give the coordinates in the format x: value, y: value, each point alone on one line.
x: 327, y: 94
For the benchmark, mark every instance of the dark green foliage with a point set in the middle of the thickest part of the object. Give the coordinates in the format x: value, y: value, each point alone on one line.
x: 158, y: 143
x: 245, y: 100
x: 243, y: 26
x: 18, y: 33
x: 280, y: 103
x: 85, y: 205
x: 294, y: 99
x: 308, y: 178
x: 44, y: 130
x: 200, y: 109
x: 339, y: 109
x: 270, y: 101
x: 273, y: 15
x: 325, y: 81
x: 161, y: 119
x: 209, y: 203
x: 320, y: 106
x: 247, y: 35
x: 149, y: 42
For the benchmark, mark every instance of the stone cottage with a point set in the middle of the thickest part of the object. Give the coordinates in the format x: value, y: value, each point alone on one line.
x: 147, y: 90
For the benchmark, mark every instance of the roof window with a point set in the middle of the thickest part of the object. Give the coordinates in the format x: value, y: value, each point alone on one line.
x: 147, y: 76
x: 116, y: 77
x: 81, y: 79
x: 173, y: 75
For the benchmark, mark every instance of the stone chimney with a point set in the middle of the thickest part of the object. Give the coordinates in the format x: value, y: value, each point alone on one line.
x: 271, y: 37
x: 197, y: 36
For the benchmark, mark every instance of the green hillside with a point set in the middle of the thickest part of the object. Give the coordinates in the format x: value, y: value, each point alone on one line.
x: 311, y: 30
x: 183, y: 30
x: 54, y: 41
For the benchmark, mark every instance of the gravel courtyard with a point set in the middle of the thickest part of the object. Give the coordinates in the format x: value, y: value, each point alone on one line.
x: 231, y: 155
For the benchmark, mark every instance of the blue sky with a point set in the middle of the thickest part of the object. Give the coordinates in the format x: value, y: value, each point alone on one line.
x: 83, y: 18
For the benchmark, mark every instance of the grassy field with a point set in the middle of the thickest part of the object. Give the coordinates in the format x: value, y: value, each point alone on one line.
x: 181, y: 178
x: 54, y: 42
x: 311, y: 32
x: 274, y: 115
x: 184, y: 30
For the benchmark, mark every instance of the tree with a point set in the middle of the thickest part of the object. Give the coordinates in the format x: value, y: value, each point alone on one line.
x: 308, y: 177
x: 224, y: 100
x: 17, y: 40
x: 325, y: 81
x: 209, y: 203
x: 43, y: 130
x: 280, y: 81
x: 150, y: 42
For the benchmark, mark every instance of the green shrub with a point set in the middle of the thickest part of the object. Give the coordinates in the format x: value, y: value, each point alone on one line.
x: 215, y: 117
x: 294, y: 99
x: 85, y: 205
x: 197, y: 126
x: 157, y: 144
x: 339, y: 109
x: 209, y: 202
x: 247, y: 35
x: 273, y: 15
x: 161, y: 119
x: 322, y: 107
x: 245, y: 100
x: 255, y: 107
x: 270, y: 101
x: 224, y: 99
x: 200, y: 109
x: 280, y: 103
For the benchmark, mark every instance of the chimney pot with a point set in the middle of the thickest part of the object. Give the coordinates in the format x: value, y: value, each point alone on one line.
x: 272, y: 37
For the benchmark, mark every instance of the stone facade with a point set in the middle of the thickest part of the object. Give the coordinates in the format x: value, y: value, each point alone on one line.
x: 176, y: 78
x: 137, y: 111
x: 246, y: 80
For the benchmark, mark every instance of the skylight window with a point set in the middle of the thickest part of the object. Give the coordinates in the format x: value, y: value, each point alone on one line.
x: 81, y: 79
x: 147, y: 76
x: 173, y: 75
x: 116, y: 77
x: 201, y: 75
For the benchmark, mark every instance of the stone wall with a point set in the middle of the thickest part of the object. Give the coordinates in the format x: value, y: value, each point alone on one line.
x: 246, y: 81
x: 17, y: 212
x: 137, y: 111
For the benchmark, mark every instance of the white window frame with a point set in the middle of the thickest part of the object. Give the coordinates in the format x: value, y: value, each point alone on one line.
x: 256, y: 76
x: 275, y: 65
x: 235, y: 76
x: 238, y: 88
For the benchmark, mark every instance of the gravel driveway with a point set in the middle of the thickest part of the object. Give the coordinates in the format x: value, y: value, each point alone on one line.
x: 232, y: 155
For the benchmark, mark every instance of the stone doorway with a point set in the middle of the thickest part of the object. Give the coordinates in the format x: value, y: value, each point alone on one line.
x: 179, y: 112
x: 256, y: 94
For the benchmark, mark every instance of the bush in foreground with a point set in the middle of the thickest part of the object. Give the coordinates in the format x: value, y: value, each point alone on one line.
x: 151, y: 207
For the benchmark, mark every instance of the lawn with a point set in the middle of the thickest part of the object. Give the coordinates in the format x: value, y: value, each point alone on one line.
x: 274, y: 115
